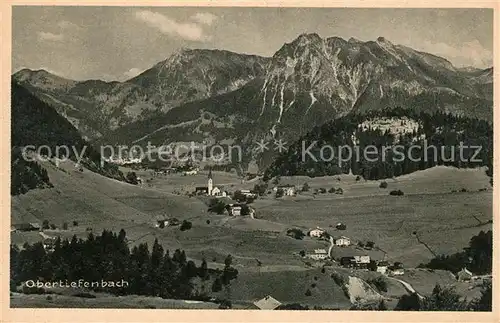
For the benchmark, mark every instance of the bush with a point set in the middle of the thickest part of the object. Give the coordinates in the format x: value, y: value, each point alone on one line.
x: 331, y: 190
x: 45, y: 224
x: 295, y: 233
x: 75, y: 223
x: 305, y: 187
x: 49, y: 298
x: 361, y: 244
x: 313, y: 285
x: 186, y: 225
x: 322, y: 190
x: 397, y: 193
x: 280, y: 193
x: 370, y: 244
x: 132, y: 178
x: 308, y: 292
x: 358, y: 178
x: 53, y: 226
x: 208, y: 221
x: 383, y: 184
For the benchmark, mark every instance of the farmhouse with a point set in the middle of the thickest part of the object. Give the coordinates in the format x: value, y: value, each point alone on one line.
x: 464, y: 275
x: 396, y: 269
x: 382, y: 267
x: 201, y: 190
x: 248, y: 193
x: 267, y: 303
x: 288, y: 190
x: 22, y: 227
x: 234, y: 209
x: 358, y: 262
x: 319, y: 254
x: 342, y: 241
x: 166, y: 222
x: 316, y: 233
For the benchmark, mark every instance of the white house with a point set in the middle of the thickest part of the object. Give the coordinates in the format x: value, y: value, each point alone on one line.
x: 343, y: 242
x: 382, y: 267
x: 234, y: 209
x: 319, y: 254
x: 191, y: 172
x: 316, y: 233
x: 464, y: 275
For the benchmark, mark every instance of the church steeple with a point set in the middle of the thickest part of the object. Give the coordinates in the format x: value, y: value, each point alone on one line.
x: 210, y: 182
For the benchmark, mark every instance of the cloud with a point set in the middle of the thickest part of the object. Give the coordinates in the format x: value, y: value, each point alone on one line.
x: 204, y: 18
x: 133, y: 72
x: 50, y: 36
x: 467, y: 54
x: 64, y: 24
x: 166, y: 25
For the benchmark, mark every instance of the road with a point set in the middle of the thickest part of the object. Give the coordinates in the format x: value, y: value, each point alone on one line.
x: 407, y: 286
x: 332, y: 244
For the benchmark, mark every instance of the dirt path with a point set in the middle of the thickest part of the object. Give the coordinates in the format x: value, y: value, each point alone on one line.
x: 407, y: 286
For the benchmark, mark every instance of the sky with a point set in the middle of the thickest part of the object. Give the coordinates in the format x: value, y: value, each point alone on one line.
x: 117, y: 43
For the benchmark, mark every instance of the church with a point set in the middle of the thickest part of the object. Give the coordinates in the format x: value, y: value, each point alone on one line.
x: 210, y: 189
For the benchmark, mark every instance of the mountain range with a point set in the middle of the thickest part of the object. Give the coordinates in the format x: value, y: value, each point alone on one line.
x: 216, y: 96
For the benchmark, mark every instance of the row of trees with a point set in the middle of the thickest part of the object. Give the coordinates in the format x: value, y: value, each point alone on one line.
x: 441, y: 130
x: 108, y: 257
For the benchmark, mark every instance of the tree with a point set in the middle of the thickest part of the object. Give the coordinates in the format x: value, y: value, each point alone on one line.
x: 383, y: 184
x: 132, y: 178
x: 53, y: 226
x: 370, y: 244
x: 217, y: 285
x: 305, y: 187
x: 45, y: 224
x: 484, y: 302
x: 280, y: 192
x: 75, y: 223
x: 443, y: 299
x: 217, y: 206
x: 186, y: 225
x: 408, y: 303
x: 260, y: 189
x: 65, y: 226
x: 308, y: 292
x: 240, y: 197
x: 245, y: 210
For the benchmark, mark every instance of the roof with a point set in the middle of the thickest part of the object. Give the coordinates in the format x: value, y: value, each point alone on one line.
x: 267, y: 303
x: 319, y: 251
x: 21, y: 226
x: 383, y: 263
x: 201, y: 188
x: 465, y: 271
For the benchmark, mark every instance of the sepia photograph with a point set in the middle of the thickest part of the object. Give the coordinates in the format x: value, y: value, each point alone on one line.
x: 251, y: 158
